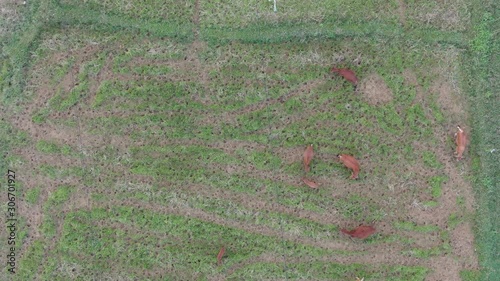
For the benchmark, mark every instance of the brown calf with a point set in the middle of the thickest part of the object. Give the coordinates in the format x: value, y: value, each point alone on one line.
x: 461, y: 141
x: 361, y: 232
x: 308, y: 155
x: 310, y: 183
x: 220, y: 255
x: 351, y: 163
x: 347, y: 74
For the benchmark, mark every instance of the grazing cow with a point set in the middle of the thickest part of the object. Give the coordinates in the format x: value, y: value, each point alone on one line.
x: 220, y: 255
x: 461, y: 141
x: 310, y: 183
x: 308, y: 155
x: 361, y: 232
x: 347, y: 74
x: 351, y: 163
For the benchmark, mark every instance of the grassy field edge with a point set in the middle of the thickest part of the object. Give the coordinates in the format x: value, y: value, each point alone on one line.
x: 483, y: 66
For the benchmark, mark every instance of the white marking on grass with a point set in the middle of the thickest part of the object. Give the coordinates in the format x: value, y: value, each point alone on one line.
x: 274, y: 6
x: 418, y: 205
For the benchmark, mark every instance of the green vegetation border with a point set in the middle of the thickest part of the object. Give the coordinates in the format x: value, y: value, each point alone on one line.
x: 481, y: 66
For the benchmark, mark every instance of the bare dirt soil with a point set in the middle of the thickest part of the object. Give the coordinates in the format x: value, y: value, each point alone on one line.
x: 375, y: 90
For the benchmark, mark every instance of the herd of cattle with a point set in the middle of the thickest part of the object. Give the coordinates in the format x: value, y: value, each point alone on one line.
x: 362, y: 231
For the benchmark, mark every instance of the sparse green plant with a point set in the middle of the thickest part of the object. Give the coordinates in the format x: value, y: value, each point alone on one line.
x: 52, y: 147
x: 58, y: 197
x: 40, y: 116
x: 31, y: 262
x: 410, y: 226
x: 32, y: 195
x: 470, y: 275
x: 454, y: 220
x: 436, y: 185
x: 48, y: 227
x: 430, y: 160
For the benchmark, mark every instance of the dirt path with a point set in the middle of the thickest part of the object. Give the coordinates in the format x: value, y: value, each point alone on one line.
x: 402, y: 12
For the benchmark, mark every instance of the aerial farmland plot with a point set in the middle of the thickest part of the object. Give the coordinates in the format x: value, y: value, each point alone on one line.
x: 165, y: 140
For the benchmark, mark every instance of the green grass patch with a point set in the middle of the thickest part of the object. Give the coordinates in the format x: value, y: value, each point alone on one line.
x: 147, y: 96
x: 150, y: 50
x: 410, y: 226
x: 264, y: 160
x: 430, y: 160
x: 461, y: 201
x: 438, y: 115
x: 40, y: 116
x: 53, y: 148
x: 151, y: 70
x: 277, y: 221
x: 180, y: 163
x: 240, y: 14
x: 300, y: 32
x: 49, y: 171
x: 48, y: 227
x: 22, y: 232
x: 32, y: 195
x: 62, y: 100
x: 189, y: 241
x: 470, y: 275
x: 172, y: 11
x: 31, y: 260
x: 61, y: 69
x: 482, y: 40
x: 58, y: 197
x: 454, y: 220
x: 302, y: 196
x: 10, y: 138
x: 58, y: 173
x: 424, y: 253
x: 255, y: 120
x: 118, y: 19
x: 146, y: 127
x: 443, y: 249
x: 430, y: 204
x: 416, y: 118
x: 359, y: 208
x: 482, y: 64
x: 329, y: 271
x: 435, y: 182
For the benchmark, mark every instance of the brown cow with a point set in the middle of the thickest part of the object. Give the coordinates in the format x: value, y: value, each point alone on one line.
x: 308, y: 155
x: 220, y: 255
x: 347, y: 74
x: 461, y: 141
x: 351, y: 163
x: 361, y: 232
x: 310, y: 183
